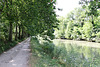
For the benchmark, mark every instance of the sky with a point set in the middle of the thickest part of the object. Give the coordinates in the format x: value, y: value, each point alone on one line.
x: 66, y: 5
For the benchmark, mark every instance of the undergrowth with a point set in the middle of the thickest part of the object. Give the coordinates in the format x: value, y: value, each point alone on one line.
x: 4, y: 46
x: 49, y: 55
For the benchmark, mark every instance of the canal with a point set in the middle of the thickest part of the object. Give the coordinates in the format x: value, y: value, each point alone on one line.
x: 78, y: 53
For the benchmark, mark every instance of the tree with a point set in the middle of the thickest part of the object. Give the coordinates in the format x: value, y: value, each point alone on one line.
x: 92, y: 5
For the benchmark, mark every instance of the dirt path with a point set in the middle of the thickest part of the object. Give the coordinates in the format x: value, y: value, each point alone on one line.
x: 17, y: 56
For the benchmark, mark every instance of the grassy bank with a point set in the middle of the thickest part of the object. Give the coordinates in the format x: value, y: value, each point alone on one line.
x: 60, y: 54
x: 43, y: 54
x: 46, y: 54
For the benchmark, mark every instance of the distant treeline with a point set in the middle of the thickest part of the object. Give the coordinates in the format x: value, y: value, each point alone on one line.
x: 80, y: 24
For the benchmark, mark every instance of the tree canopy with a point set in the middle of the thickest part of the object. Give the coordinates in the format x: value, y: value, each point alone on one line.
x: 23, y: 18
x: 32, y: 17
x: 78, y: 25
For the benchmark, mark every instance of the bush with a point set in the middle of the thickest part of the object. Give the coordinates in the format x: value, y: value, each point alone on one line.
x: 76, y: 34
x: 98, y: 37
x: 48, y: 53
x: 57, y: 33
x: 7, y: 45
x: 42, y: 46
x: 47, y: 48
x: 68, y: 31
x: 87, y: 30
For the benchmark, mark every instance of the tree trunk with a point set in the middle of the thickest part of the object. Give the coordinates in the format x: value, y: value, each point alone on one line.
x: 19, y: 32
x: 22, y: 32
x: 93, y: 21
x: 10, y: 31
x: 28, y: 35
x: 16, y: 32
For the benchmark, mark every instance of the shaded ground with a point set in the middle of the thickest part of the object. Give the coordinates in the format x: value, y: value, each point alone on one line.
x: 17, y: 56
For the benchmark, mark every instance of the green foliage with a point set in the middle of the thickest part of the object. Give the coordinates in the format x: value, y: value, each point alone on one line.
x: 98, y: 37
x: 76, y: 34
x: 98, y: 34
x: 64, y: 54
x: 47, y: 52
x: 69, y: 30
x: 21, y: 18
x: 42, y: 45
x: 87, y: 30
x: 44, y: 17
x: 93, y: 6
x: 79, y: 26
x: 62, y: 27
x: 7, y: 45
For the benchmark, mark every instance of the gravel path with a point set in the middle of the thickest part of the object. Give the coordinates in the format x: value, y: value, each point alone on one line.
x: 17, y: 56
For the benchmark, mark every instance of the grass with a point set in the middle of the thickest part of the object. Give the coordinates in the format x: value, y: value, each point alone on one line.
x: 46, y: 54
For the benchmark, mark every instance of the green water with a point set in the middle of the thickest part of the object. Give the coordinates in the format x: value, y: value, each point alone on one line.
x: 74, y: 55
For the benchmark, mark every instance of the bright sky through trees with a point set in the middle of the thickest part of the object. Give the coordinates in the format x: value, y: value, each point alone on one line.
x: 67, y: 6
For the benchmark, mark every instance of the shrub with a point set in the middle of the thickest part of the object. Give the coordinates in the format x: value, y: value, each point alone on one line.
x: 98, y: 37
x: 68, y: 31
x: 87, y: 30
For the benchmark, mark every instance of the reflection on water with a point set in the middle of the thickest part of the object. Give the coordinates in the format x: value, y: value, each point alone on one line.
x: 78, y: 56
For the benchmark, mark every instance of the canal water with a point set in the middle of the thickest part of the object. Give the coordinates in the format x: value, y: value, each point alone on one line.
x: 78, y: 53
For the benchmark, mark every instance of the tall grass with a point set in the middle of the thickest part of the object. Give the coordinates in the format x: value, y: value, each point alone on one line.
x: 47, y: 53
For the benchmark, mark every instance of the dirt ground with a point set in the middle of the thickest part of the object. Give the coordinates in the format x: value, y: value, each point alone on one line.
x: 17, y: 56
